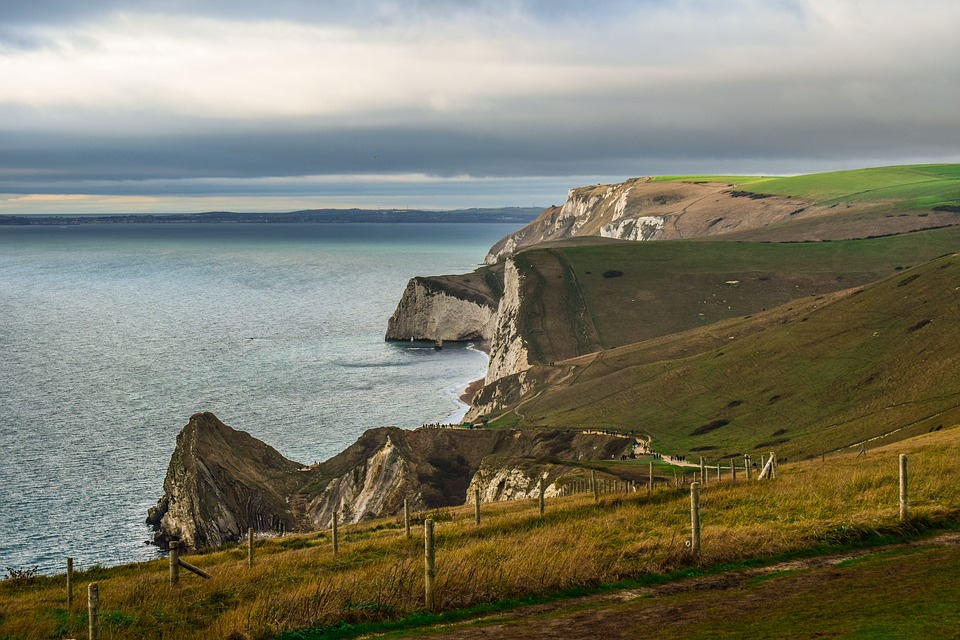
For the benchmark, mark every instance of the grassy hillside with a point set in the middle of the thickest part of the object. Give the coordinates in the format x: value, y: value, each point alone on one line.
x: 603, y: 295
x: 632, y: 540
x: 916, y: 186
x: 815, y: 375
x: 851, y: 204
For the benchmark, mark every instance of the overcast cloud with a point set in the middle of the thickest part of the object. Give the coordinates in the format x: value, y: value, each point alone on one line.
x: 176, y: 105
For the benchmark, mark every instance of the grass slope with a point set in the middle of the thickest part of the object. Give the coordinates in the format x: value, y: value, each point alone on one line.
x: 917, y: 186
x: 578, y: 547
x: 851, y: 204
x: 815, y: 375
x: 667, y: 287
x: 884, y: 593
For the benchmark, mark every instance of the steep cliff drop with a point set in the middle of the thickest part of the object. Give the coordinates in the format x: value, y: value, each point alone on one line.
x: 448, y: 308
x: 221, y: 481
x: 647, y: 209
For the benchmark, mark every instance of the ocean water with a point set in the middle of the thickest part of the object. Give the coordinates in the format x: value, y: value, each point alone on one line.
x: 111, y: 336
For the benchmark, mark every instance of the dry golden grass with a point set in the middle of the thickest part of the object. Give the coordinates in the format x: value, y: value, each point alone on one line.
x: 296, y: 582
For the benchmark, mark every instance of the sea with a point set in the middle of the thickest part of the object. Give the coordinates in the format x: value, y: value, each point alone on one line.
x: 113, y: 335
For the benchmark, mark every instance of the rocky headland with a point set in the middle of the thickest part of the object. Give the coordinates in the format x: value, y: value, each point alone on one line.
x: 221, y: 481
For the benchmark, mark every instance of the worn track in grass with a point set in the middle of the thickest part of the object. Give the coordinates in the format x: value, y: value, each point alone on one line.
x: 873, y: 592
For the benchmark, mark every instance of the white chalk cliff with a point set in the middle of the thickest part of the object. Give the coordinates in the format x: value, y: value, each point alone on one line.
x: 644, y: 209
x: 430, y: 311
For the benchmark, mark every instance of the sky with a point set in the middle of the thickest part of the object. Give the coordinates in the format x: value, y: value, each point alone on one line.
x: 244, y: 105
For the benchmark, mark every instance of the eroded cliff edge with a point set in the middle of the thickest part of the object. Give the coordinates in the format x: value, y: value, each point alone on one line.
x: 454, y: 308
x: 646, y: 209
x: 221, y: 481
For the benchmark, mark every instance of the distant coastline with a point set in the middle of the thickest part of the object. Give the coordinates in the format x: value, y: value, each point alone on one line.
x: 518, y: 215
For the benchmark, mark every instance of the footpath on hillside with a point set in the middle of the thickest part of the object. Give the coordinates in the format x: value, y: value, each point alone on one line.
x: 906, y: 590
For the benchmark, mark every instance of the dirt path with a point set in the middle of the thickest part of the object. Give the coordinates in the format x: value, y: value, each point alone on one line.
x: 655, y: 611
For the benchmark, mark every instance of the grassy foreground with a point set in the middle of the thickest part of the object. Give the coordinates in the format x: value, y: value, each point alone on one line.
x: 297, y: 583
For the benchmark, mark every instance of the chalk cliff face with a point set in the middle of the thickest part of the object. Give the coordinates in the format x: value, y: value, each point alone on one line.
x: 448, y: 308
x: 646, y: 209
x: 221, y: 481
x: 508, y: 351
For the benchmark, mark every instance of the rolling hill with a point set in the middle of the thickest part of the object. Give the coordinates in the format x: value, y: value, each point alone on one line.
x: 821, y: 373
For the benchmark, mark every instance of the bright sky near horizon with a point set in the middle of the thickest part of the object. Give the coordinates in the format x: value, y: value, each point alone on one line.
x: 245, y: 105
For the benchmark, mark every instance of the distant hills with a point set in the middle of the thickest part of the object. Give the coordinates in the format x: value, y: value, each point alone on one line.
x: 507, y: 215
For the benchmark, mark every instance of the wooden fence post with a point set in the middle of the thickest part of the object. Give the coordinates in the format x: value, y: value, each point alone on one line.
x: 650, y: 480
x: 767, y: 470
x: 733, y: 470
x: 748, y: 463
x: 703, y: 471
x: 70, y: 584
x: 174, y: 561
x: 476, y: 504
x: 695, y: 517
x: 250, y: 547
x: 429, y: 565
x: 540, y: 490
x: 197, y: 570
x: 593, y: 483
x: 903, y: 487
x: 335, y: 534
x: 773, y: 465
x: 93, y: 611
x: 406, y: 517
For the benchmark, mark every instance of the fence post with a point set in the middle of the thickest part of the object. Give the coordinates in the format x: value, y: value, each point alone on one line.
x: 733, y: 470
x: 540, y: 490
x: 335, y: 534
x: 747, y: 463
x: 650, y: 479
x: 429, y: 566
x: 174, y: 561
x: 773, y: 466
x: 93, y: 610
x: 703, y: 471
x: 406, y: 517
x: 250, y: 547
x: 70, y: 584
x: 476, y: 504
x: 593, y: 483
x: 695, y: 517
x: 903, y: 487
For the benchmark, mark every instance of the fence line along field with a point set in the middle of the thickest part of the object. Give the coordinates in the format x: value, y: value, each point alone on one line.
x: 604, y: 533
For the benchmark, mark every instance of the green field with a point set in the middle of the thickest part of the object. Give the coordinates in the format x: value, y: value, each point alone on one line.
x: 916, y: 186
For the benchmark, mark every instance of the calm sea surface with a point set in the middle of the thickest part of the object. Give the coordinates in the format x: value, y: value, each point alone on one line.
x: 111, y: 336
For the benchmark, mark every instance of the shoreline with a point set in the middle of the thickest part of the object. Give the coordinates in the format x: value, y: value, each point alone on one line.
x: 465, y: 393
x: 470, y: 392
